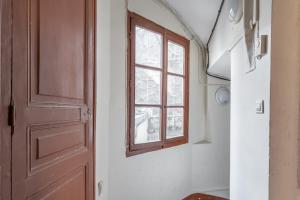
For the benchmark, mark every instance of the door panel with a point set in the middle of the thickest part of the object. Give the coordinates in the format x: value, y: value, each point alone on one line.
x: 68, y: 187
x: 60, y: 42
x: 53, y: 85
x: 54, y: 143
x: 58, y: 50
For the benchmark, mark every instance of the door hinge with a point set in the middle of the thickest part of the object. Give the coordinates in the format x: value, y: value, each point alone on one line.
x: 89, y: 114
x: 12, y: 114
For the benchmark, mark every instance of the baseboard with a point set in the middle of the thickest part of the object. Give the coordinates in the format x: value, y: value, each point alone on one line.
x: 206, y: 190
x: 224, y: 193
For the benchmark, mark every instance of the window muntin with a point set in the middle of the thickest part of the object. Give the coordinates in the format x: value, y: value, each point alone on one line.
x: 158, y: 87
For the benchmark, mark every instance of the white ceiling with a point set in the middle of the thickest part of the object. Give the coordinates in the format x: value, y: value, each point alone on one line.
x: 200, y: 15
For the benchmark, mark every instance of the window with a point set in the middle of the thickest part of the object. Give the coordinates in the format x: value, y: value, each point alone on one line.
x: 157, y: 87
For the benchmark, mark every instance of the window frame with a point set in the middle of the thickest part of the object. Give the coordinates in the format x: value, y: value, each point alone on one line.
x: 167, y: 35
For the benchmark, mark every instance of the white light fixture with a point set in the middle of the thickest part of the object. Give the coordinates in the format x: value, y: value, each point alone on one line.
x: 235, y: 10
x: 223, y: 96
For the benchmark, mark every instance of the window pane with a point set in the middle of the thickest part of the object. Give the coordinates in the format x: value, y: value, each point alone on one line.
x: 175, y: 91
x: 147, y: 86
x: 175, y: 58
x: 147, y: 125
x: 175, y: 123
x: 148, y: 48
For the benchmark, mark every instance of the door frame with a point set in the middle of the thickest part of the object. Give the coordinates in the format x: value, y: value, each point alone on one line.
x: 5, y: 89
x: 6, y: 131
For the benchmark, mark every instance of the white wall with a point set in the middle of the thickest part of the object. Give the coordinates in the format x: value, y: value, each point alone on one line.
x: 249, y: 131
x: 165, y: 174
x: 158, y: 175
x: 211, y: 159
x: 103, y: 94
x: 211, y: 138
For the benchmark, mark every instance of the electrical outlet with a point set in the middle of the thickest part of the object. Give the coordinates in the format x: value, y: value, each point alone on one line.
x: 100, y: 188
x: 260, y: 107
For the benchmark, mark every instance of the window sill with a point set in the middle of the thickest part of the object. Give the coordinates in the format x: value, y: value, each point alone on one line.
x: 130, y: 153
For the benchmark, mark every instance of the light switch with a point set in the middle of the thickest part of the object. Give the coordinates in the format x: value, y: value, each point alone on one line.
x: 261, y: 46
x: 260, y: 107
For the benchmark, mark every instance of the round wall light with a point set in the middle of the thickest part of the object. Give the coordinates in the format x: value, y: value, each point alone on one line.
x: 223, y: 96
x: 235, y: 10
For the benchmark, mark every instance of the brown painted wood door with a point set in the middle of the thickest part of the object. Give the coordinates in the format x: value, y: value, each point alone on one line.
x: 52, y: 90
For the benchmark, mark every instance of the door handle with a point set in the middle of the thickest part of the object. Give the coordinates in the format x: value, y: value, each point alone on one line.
x: 86, y: 114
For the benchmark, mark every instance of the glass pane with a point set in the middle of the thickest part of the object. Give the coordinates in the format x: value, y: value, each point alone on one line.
x: 148, y: 47
x: 147, y: 125
x: 175, y: 91
x: 175, y: 123
x: 175, y: 58
x: 147, y: 86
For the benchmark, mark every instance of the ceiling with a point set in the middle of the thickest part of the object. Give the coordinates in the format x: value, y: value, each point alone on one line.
x: 200, y: 15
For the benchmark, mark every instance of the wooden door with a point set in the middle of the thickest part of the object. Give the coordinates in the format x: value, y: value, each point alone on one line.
x: 52, y: 92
